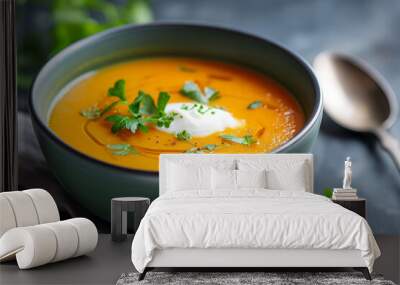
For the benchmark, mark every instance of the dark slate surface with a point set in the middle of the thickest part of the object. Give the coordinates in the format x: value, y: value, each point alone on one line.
x: 367, y: 29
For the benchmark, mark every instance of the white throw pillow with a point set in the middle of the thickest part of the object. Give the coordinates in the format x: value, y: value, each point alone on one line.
x: 292, y: 179
x: 287, y: 174
x: 251, y: 178
x: 183, y: 177
x: 223, y: 179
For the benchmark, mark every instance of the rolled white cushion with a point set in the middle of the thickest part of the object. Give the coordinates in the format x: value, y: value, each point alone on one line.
x: 45, y: 205
x: 23, y: 208
x: 7, y: 218
x: 33, y: 246
x: 40, y: 244
x: 87, y: 235
x: 67, y: 240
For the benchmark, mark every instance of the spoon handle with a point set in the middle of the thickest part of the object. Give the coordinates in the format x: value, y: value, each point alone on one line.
x: 391, y: 144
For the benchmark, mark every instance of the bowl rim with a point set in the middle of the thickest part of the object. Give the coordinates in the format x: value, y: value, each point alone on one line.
x: 317, y: 110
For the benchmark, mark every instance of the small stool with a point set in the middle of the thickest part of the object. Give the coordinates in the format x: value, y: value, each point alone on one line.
x: 119, y: 209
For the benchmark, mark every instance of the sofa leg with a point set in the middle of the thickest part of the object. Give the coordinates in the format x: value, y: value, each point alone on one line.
x: 364, y: 271
x: 142, y: 275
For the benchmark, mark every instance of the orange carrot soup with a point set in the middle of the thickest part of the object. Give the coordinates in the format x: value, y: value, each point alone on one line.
x: 128, y: 113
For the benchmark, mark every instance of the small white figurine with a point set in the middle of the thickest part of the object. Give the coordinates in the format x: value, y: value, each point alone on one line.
x: 347, y: 173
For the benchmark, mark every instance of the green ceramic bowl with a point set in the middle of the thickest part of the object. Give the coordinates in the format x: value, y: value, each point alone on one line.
x: 92, y: 182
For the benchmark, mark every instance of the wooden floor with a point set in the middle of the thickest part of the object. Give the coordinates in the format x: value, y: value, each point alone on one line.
x: 110, y: 260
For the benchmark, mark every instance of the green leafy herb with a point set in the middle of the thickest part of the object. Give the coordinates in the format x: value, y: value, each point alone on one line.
x: 246, y: 140
x: 255, y: 105
x: 211, y: 94
x: 192, y: 91
x: 91, y: 113
x: 122, y: 149
x: 143, y: 111
x: 108, y: 108
x: 119, y: 122
x: 162, y: 101
x: 206, y: 148
x: 148, y: 106
x: 183, y: 136
x: 118, y: 90
x: 328, y: 192
x: 210, y: 147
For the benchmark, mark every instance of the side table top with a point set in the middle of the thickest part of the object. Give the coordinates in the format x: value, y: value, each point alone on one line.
x: 130, y: 199
x: 349, y: 200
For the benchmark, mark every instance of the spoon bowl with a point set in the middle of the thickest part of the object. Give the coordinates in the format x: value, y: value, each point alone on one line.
x: 358, y: 98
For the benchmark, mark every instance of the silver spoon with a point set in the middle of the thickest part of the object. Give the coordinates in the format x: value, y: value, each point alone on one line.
x: 358, y: 98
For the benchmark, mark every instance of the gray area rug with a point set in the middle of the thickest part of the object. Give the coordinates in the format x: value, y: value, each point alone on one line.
x: 269, y: 278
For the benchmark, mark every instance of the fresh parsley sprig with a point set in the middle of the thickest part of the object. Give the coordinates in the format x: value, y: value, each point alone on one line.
x: 183, y: 135
x: 122, y: 149
x: 143, y: 111
x: 191, y: 90
x: 117, y: 90
x: 245, y: 140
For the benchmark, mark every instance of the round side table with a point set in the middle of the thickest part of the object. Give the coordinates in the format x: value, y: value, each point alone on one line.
x: 119, y: 209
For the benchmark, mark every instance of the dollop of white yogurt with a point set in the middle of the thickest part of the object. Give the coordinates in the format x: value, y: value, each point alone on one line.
x: 199, y: 120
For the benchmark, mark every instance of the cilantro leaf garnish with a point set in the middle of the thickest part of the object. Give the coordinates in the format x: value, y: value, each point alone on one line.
x: 210, y: 147
x: 108, y: 108
x: 162, y: 101
x: 192, y: 91
x: 91, y: 113
x: 211, y: 94
x: 148, y: 106
x: 121, y: 149
x: 255, y: 105
x: 246, y: 140
x: 118, y: 90
x: 143, y: 111
x: 119, y: 122
x: 183, y: 136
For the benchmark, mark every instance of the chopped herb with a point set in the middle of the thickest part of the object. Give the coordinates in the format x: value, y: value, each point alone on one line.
x: 118, y: 90
x: 148, y: 106
x: 121, y: 122
x: 206, y: 148
x: 211, y: 94
x: 162, y: 101
x: 246, y: 140
x: 192, y: 91
x: 183, y: 136
x: 210, y: 147
x: 185, y: 107
x: 91, y: 113
x: 108, y: 108
x: 255, y: 105
x: 122, y: 149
